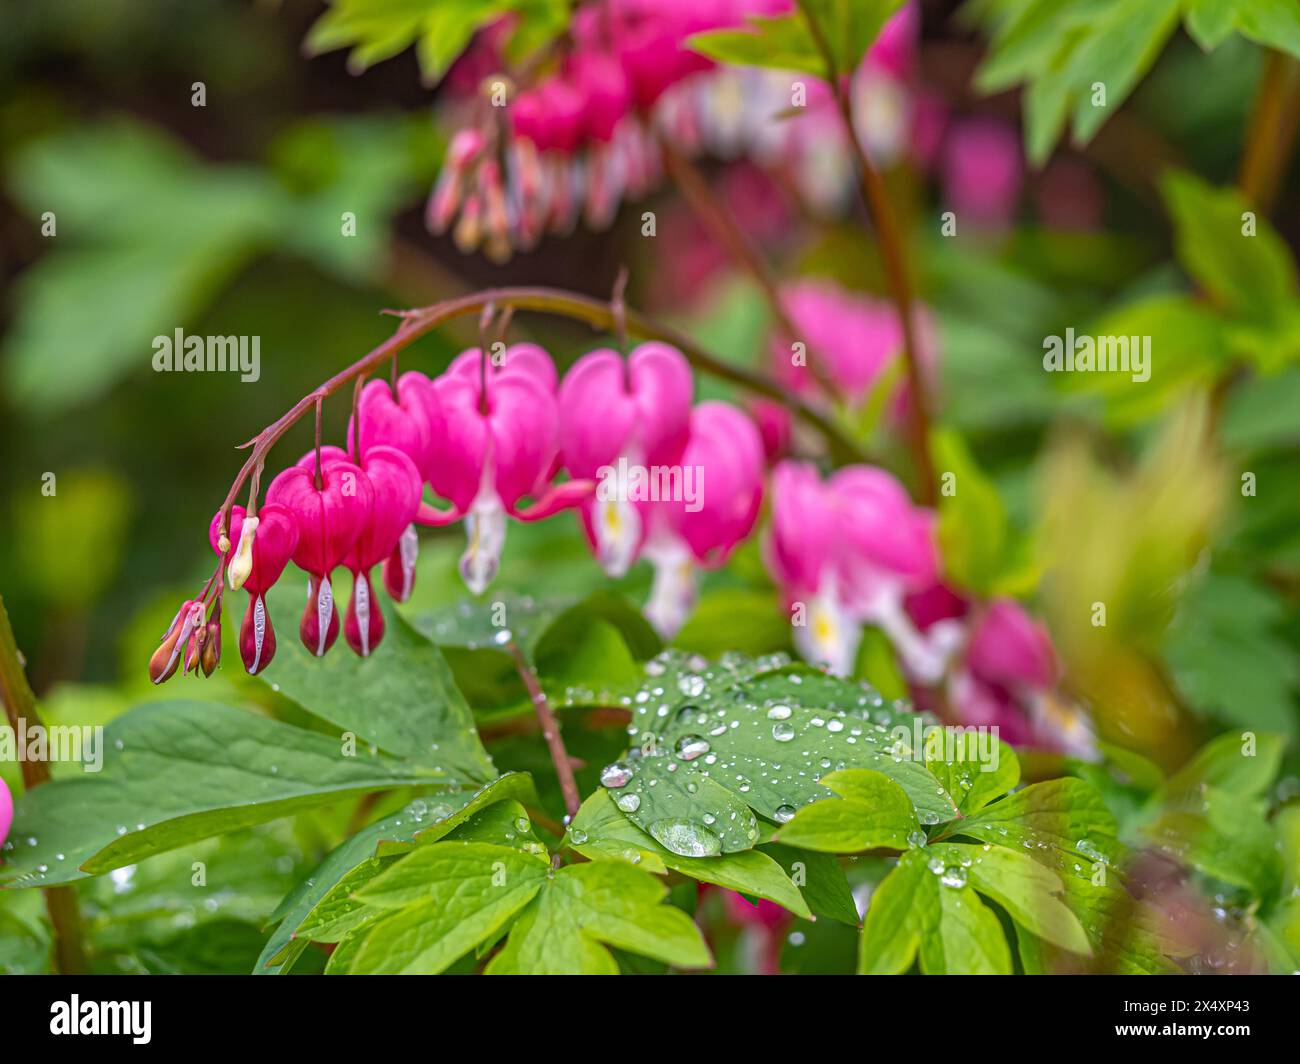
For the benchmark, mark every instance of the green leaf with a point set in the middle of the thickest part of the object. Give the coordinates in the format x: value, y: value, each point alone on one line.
x: 1029, y: 891
x: 401, y: 698
x: 714, y: 742
x: 1241, y: 765
x: 778, y: 43
x: 174, y: 772
x: 440, y: 29
x: 1055, y: 822
x: 445, y: 900
x: 930, y: 910
x: 786, y: 42
x: 1223, y: 835
x: 1062, y: 49
x: 586, y: 907
x: 820, y: 879
x: 970, y: 775
x: 424, y: 820
x: 896, y: 918
x: 1251, y: 276
x: 973, y: 528
x: 601, y: 832
x: 1271, y: 23
x: 1229, y: 658
x: 1209, y: 22
x: 872, y: 811
x: 1188, y: 346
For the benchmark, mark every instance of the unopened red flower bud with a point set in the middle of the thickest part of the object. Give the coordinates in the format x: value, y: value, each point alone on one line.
x: 211, y: 655
x: 194, y: 649
x: 169, y: 654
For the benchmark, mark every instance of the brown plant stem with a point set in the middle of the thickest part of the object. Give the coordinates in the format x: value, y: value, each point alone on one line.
x: 417, y: 323
x: 713, y: 213
x: 1271, y: 131
x: 550, y: 730
x: 876, y: 198
x: 20, y: 711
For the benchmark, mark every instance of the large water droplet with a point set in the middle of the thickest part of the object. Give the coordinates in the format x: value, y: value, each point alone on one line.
x: 629, y: 803
x: 779, y: 713
x: 784, y: 814
x: 782, y: 732
x: 686, y: 838
x: 615, y: 775
x: 689, y: 747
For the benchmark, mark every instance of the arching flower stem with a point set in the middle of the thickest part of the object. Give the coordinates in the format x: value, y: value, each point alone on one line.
x: 599, y: 315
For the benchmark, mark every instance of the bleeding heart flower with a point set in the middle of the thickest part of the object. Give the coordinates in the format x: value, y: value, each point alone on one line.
x: 501, y: 445
x: 637, y: 412
x: 396, y: 488
x: 982, y: 172
x: 412, y: 422
x: 6, y: 811
x: 1010, y: 648
x: 261, y: 547
x: 856, y: 337
x: 806, y: 552
x: 329, y: 519
x: 850, y: 550
x: 415, y: 424
x: 721, y: 477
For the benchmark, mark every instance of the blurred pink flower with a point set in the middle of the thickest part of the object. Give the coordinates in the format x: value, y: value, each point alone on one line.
x: 982, y: 172
x: 847, y: 552
x: 1009, y: 648
x: 857, y: 338
x: 723, y: 460
x: 636, y: 411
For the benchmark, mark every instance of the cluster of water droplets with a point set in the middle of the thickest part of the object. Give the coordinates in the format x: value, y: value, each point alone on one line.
x: 711, y: 743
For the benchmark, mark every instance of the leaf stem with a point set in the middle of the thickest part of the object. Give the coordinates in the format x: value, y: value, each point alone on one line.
x: 892, y: 249
x: 713, y: 213
x: 418, y: 323
x: 20, y: 711
x: 550, y: 730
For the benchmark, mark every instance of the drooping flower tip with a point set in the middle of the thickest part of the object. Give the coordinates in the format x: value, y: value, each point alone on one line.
x: 6, y: 811
x: 176, y: 643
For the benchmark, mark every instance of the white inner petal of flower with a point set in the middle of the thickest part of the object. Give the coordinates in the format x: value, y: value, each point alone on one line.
x: 324, y: 612
x: 830, y: 635
x: 409, y: 553
x: 616, y: 522
x: 485, y: 530
x: 241, y: 564
x: 673, y: 593
x: 259, y: 631
x: 362, y: 594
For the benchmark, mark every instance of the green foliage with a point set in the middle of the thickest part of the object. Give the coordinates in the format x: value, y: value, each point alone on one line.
x: 600, y: 831
x: 786, y: 42
x: 1229, y: 657
x: 1242, y: 264
x: 1061, y: 50
x: 716, y: 744
x: 175, y: 772
x: 440, y: 29
x: 425, y: 719
x: 147, y: 235
x: 440, y: 901
x: 973, y: 533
